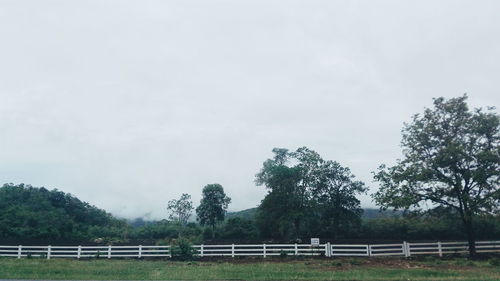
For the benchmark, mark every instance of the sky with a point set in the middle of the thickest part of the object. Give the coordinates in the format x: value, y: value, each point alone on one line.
x: 129, y: 104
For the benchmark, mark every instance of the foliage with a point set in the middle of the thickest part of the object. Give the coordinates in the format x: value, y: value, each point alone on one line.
x: 28, y: 212
x: 386, y: 226
x: 166, y: 231
x: 336, y: 196
x: 238, y: 229
x: 180, y: 210
x: 213, y: 205
x: 305, y: 191
x: 181, y: 249
x: 451, y: 160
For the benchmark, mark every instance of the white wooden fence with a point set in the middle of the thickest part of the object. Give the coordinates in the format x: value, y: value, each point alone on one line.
x: 263, y: 250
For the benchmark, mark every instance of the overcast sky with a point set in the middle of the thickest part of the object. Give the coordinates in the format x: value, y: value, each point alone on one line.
x: 128, y: 104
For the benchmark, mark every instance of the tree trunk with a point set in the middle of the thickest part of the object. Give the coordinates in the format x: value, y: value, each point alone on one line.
x: 213, y: 231
x: 296, y: 226
x: 469, y: 229
x: 466, y: 216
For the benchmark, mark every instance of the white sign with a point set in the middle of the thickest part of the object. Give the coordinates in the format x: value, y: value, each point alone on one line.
x: 315, y: 241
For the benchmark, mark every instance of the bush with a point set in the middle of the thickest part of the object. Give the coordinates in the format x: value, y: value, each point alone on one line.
x: 182, y: 250
x: 283, y: 254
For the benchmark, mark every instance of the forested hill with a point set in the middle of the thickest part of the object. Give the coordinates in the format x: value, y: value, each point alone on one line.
x: 28, y: 212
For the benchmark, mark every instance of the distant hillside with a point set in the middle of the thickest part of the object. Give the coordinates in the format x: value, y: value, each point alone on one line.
x: 28, y: 212
x: 244, y: 214
x: 368, y: 213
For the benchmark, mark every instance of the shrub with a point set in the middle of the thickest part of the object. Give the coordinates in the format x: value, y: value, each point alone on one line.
x: 283, y: 254
x: 181, y: 249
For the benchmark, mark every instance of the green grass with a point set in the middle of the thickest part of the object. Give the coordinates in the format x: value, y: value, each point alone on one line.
x: 314, y: 269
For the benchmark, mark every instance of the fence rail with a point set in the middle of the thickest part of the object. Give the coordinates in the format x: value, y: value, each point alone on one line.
x: 263, y: 250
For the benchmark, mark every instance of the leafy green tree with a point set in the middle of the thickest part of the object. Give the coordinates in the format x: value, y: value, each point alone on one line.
x: 213, y: 206
x: 335, y: 193
x: 451, y: 159
x: 302, y: 188
x: 180, y: 210
x: 286, y: 205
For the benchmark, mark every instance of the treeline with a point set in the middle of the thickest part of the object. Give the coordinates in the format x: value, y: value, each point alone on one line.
x: 30, y: 215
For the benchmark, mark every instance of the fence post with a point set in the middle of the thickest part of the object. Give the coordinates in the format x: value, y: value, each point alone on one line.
x: 49, y: 250
x: 440, y: 250
x: 201, y: 250
x: 327, y: 252
x: 19, y: 251
x: 369, y: 250
x: 109, y: 251
x: 232, y: 250
x: 296, y: 249
x: 140, y: 251
x: 405, y: 249
x: 79, y: 253
x: 264, y: 248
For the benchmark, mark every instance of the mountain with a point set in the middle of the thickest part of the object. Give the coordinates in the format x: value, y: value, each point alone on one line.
x: 244, y: 214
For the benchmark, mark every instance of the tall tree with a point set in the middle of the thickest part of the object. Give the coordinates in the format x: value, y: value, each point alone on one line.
x: 288, y: 201
x: 335, y: 193
x: 180, y: 210
x: 451, y: 159
x: 301, y: 186
x: 213, y: 206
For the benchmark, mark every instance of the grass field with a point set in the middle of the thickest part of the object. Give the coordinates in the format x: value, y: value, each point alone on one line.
x: 248, y: 269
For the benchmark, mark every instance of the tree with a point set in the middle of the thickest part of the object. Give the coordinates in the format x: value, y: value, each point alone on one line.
x: 287, y: 203
x: 451, y: 159
x: 303, y: 186
x: 213, y: 206
x: 180, y: 210
x: 336, y: 196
